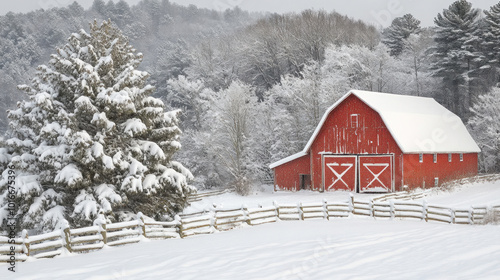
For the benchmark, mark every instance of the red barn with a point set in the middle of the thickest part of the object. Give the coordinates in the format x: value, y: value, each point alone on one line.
x: 379, y: 142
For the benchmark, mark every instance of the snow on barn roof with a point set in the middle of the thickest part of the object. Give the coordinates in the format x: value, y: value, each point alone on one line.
x: 417, y: 124
x: 288, y: 159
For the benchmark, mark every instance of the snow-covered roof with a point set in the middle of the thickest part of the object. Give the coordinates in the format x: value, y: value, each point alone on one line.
x: 288, y: 159
x: 417, y: 124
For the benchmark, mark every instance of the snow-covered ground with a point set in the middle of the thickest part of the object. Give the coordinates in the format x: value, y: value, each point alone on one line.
x: 474, y: 194
x: 265, y: 196
x: 459, y: 196
x: 357, y: 248
x: 344, y: 248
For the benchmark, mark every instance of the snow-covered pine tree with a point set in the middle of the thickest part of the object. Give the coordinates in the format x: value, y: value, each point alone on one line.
x: 485, y: 127
x: 400, y: 29
x: 90, y: 139
x: 4, y: 155
x: 456, y: 54
x: 491, y: 41
x: 492, y: 34
x: 173, y: 60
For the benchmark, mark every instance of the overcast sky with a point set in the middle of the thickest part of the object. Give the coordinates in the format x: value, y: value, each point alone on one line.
x: 378, y: 12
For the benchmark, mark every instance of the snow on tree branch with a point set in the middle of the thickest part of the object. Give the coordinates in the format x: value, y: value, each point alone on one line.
x: 91, y: 139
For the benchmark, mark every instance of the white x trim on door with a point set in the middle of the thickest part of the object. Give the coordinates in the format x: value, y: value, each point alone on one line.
x: 339, y: 176
x: 375, y: 176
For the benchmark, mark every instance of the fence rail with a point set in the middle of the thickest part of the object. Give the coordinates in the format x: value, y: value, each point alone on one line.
x: 99, y: 235
x: 200, y: 196
x: 403, y: 195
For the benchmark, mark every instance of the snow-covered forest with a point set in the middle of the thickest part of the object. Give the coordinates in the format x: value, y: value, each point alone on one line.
x: 244, y: 83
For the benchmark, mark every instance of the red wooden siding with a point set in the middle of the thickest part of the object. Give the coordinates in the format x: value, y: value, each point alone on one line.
x: 338, y: 136
x: 416, y: 173
x: 287, y: 175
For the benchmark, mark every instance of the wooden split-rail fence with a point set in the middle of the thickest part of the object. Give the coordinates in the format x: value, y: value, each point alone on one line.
x: 101, y: 234
x: 199, y: 196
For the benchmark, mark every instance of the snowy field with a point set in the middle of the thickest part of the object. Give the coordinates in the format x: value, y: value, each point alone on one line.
x: 460, y: 196
x: 476, y: 194
x: 266, y: 196
x: 358, y: 248
x: 344, y: 248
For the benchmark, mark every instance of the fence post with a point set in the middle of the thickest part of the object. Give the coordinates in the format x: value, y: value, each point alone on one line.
x: 67, y: 236
x: 370, y: 206
x: 469, y: 216
x: 391, y: 209
x: 351, y: 203
x: 101, y: 222
x: 301, y: 211
x: 325, y: 210
x: 452, y: 216
x: 179, y: 227
x: 244, y: 210
x: 140, y: 218
x: 425, y: 210
x: 103, y: 233
x: 276, y: 209
x: 213, y: 217
x: 26, y: 242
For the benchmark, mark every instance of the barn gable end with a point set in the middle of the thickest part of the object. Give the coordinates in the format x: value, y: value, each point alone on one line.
x: 341, y: 134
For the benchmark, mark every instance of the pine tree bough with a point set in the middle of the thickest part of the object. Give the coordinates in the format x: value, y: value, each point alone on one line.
x: 90, y: 139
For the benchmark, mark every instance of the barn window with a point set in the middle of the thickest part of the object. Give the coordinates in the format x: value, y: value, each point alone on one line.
x: 436, y: 182
x: 435, y: 158
x: 461, y: 157
x: 421, y: 157
x: 354, y: 120
x: 449, y: 157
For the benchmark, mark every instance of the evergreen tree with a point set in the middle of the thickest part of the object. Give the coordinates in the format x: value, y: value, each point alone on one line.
x: 76, y: 9
x: 122, y: 13
x: 92, y: 140
x: 4, y: 155
x: 456, y: 54
x: 173, y: 60
x: 491, y: 41
x: 400, y: 29
x: 99, y: 6
x: 492, y: 34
